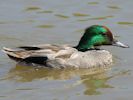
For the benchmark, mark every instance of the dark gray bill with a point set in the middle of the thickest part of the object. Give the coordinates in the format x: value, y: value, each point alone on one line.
x: 119, y: 44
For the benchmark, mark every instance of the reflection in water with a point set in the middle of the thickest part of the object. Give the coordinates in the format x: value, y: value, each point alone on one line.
x: 32, y: 8
x: 98, y: 81
x: 28, y: 73
x: 95, y: 82
x: 8, y: 37
x: 61, y: 16
x: 80, y: 15
x: 97, y: 18
x: 113, y: 7
x: 93, y: 79
x: 46, y: 26
x: 93, y: 3
x: 45, y: 11
x: 126, y: 23
x: 1, y: 22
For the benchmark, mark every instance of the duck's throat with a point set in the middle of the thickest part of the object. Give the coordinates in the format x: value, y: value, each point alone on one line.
x: 83, y: 47
x: 84, y: 44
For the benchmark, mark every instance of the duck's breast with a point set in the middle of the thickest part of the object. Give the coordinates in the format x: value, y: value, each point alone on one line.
x: 93, y: 58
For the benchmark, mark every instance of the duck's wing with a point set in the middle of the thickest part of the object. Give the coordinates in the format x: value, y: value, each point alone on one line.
x: 38, y: 54
x: 24, y: 52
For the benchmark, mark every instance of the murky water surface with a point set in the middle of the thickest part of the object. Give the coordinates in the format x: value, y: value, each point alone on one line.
x: 26, y: 22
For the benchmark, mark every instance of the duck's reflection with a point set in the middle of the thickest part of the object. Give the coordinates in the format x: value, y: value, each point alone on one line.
x: 93, y: 79
x: 95, y: 82
x: 28, y: 73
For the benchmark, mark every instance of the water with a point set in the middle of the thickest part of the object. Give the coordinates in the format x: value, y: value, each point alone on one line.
x: 25, y: 22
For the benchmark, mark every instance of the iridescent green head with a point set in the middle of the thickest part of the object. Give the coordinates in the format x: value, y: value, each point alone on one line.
x: 97, y: 35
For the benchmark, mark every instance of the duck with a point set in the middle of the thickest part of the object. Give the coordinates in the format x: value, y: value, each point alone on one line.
x: 85, y: 54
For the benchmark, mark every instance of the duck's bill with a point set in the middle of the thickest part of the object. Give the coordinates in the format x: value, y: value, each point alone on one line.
x: 119, y: 44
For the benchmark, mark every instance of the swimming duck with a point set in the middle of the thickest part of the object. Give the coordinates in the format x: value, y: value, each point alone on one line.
x: 84, y: 55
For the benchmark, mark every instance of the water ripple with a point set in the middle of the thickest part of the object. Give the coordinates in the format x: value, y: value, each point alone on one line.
x: 33, y: 8
x: 126, y: 23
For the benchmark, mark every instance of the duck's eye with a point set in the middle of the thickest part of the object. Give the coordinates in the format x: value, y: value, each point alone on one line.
x: 104, y: 34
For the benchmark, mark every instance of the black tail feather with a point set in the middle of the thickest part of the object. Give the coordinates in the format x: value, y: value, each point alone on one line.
x: 29, y: 48
x: 36, y: 59
x: 14, y: 58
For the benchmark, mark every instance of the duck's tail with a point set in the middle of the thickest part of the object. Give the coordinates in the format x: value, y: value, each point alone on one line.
x: 19, y: 56
x: 11, y: 53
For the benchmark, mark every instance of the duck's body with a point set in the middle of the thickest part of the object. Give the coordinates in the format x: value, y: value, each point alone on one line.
x: 65, y: 56
x: 54, y: 56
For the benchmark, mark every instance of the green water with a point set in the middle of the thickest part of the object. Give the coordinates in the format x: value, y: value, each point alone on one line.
x: 26, y: 22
